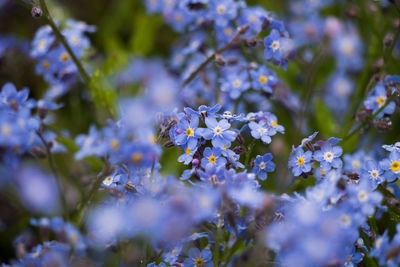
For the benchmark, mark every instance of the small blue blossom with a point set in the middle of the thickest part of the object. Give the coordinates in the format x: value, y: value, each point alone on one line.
x: 218, y: 132
x: 264, y: 79
x: 299, y: 161
x: 212, y: 156
x: 376, y: 99
x: 186, y: 132
x: 262, y: 165
x: 235, y: 84
x: 260, y: 130
x: 278, y: 49
x: 328, y: 156
x: 391, y: 166
x: 372, y: 172
x: 197, y: 258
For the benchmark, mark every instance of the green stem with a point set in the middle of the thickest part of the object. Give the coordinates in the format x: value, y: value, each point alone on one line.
x: 217, y: 240
x: 55, y: 174
x: 47, y: 17
x: 232, y: 252
x: 249, y: 149
x: 107, y: 170
x: 231, y: 44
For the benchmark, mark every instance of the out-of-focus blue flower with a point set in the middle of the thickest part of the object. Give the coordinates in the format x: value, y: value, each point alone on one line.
x: 264, y: 79
x: 222, y: 11
x: 348, y: 49
x: 254, y: 17
x: 235, y: 84
x: 262, y: 165
x: 38, y: 191
x: 198, y: 258
x: 363, y: 198
x: 279, y: 49
x: 299, y: 161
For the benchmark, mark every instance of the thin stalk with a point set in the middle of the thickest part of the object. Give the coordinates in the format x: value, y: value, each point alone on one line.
x: 217, y: 240
x: 55, y: 174
x: 47, y: 17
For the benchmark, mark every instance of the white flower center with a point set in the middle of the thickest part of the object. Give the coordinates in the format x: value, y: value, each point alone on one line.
x: 108, y: 180
x: 347, y: 47
x: 362, y: 196
x: 217, y: 130
x: 262, y: 165
x: 237, y: 83
x: 345, y: 220
x: 6, y: 130
x: 275, y: 45
x: 356, y: 164
x: 328, y: 156
x: 374, y: 174
x: 221, y: 9
x: 262, y: 130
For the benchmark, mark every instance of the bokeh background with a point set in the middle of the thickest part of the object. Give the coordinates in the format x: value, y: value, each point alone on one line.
x: 125, y: 31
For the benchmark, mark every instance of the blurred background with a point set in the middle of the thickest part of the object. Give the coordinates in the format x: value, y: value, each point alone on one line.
x: 125, y: 29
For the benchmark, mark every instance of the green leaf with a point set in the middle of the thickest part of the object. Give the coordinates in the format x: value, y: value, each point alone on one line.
x: 325, y: 120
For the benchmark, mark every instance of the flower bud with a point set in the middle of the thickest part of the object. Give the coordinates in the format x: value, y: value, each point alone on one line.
x: 383, y: 125
x: 195, y: 162
x: 240, y: 139
x: 169, y: 144
x: 43, y: 113
x: 265, y: 24
x: 39, y: 152
x: 243, y: 29
x: 220, y: 60
x: 388, y: 40
x: 36, y: 12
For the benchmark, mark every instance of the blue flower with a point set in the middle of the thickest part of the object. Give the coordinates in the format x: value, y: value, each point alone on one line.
x: 222, y: 11
x: 264, y: 79
x: 391, y: 166
x: 189, y: 151
x: 262, y: 165
x: 328, y: 156
x: 300, y: 161
x: 235, y: 84
x: 186, y: 132
x: 278, y: 49
x: 218, y: 132
x: 373, y: 173
x: 198, y: 259
x: 363, y: 198
x: 376, y: 99
x: 261, y: 131
x: 204, y: 111
x: 212, y: 156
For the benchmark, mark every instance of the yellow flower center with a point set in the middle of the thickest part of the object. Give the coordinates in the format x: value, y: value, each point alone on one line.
x: 42, y: 44
x: 5, y: 130
x: 274, y: 123
x: 263, y: 79
x: 225, y: 147
x: 380, y: 101
x: 64, y: 57
x: 395, y: 166
x: 152, y: 139
x: 237, y: 83
x: 228, y: 31
x: 114, y: 144
x: 300, y: 161
x: 189, y: 132
x: 199, y: 262
x: 136, y: 157
x: 46, y: 64
x: 178, y: 18
x: 188, y: 151
x: 212, y: 159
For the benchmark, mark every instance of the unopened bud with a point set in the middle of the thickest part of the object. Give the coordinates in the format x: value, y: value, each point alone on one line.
x: 220, y: 60
x: 265, y: 24
x: 195, y: 162
x: 169, y: 144
x: 36, y: 12
x: 240, y: 139
x: 243, y: 29
x: 251, y: 42
x: 39, y: 152
x: 389, y: 39
x: 377, y: 66
x: 383, y: 125
x: 352, y: 11
x: 396, y: 24
x: 363, y: 115
x: 42, y: 113
x: 238, y: 150
x: 353, y: 176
